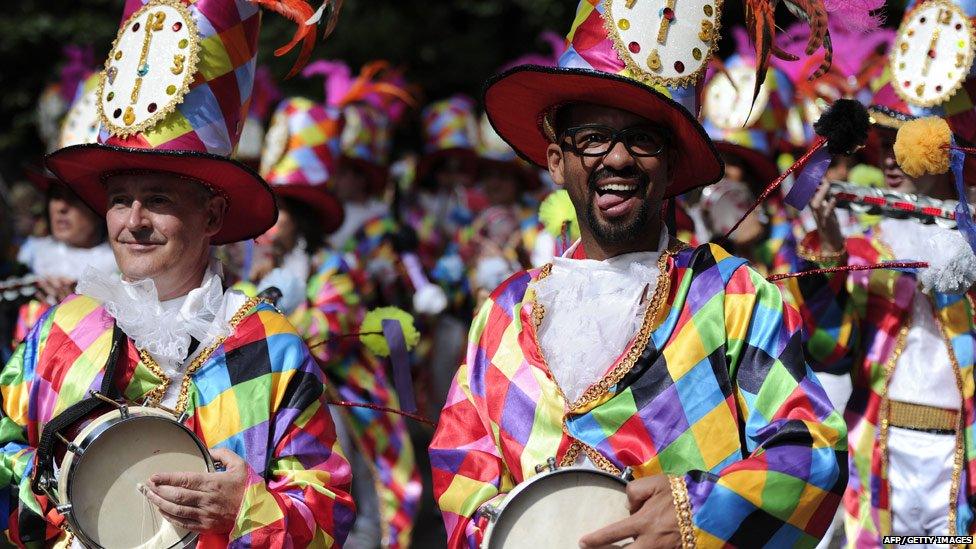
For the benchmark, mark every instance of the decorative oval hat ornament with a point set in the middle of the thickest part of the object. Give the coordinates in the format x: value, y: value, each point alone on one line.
x: 668, y: 45
x: 173, y: 99
x: 150, y: 67
x: 82, y: 123
x: 275, y: 141
x: 728, y: 103
x: 933, y: 54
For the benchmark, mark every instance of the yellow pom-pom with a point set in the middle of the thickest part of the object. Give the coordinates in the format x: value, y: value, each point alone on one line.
x: 922, y: 146
x: 372, y: 329
x: 866, y: 176
x: 556, y: 211
x: 246, y: 288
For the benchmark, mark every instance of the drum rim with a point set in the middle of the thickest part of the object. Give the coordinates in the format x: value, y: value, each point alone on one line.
x: 525, y: 484
x: 133, y: 413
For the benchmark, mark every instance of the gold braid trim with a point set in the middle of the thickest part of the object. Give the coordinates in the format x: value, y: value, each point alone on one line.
x: 682, y: 505
x: 155, y: 396
x: 639, y: 343
x: 157, y: 393
x: 959, y: 456
x: 827, y: 258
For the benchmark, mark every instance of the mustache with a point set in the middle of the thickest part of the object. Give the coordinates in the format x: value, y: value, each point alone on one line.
x: 628, y: 173
x: 140, y: 237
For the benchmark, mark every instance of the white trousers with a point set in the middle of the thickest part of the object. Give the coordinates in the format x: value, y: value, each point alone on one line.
x: 920, y: 474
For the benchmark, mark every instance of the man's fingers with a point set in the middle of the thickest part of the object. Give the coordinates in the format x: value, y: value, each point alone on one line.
x: 180, y: 496
x: 818, y: 196
x: 182, y: 512
x: 186, y: 524
x: 639, y: 491
x: 190, y: 481
x: 620, y: 530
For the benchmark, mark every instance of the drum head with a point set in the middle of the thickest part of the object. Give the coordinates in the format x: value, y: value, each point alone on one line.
x: 103, y: 483
x: 559, y: 508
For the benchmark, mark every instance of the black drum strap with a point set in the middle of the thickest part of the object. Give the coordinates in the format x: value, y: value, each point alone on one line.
x: 44, y: 465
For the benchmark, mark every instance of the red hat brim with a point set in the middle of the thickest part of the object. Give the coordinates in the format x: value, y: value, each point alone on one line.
x: 517, y: 100
x: 322, y: 201
x: 762, y: 168
x: 251, y: 208
x: 41, y: 178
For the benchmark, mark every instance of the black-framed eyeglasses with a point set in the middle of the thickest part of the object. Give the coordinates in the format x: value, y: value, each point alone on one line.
x: 597, y: 140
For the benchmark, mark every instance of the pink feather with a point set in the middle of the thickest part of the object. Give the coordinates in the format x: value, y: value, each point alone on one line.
x: 851, y: 49
x: 556, y: 43
x: 338, y: 79
x: 79, y: 61
x: 855, y: 15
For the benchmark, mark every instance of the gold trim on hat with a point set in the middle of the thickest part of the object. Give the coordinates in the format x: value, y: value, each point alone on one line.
x: 642, y: 75
x: 189, y: 70
x: 948, y: 94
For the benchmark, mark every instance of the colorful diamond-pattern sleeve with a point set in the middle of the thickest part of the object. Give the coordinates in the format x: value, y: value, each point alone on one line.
x: 275, y: 416
x: 16, y: 451
x: 785, y: 489
x: 27, y: 315
x: 467, y: 468
x: 829, y: 306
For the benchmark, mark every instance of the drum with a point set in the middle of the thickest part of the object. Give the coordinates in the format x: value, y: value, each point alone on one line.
x: 98, y: 488
x: 556, y: 508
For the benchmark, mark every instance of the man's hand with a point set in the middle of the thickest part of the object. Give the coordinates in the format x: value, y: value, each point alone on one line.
x: 653, y: 520
x: 823, y: 209
x: 201, y: 502
x: 55, y: 288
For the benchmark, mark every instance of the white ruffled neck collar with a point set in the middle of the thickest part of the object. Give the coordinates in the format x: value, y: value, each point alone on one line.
x: 163, y: 328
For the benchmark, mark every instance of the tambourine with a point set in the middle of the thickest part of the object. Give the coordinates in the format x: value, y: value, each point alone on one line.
x: 98, y: 483
x: 557, y: 507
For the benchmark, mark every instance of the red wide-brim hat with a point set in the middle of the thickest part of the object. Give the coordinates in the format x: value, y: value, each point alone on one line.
x: 325, y: 204
x: 251, y: 208
x: 762, y: 168
x: 40, y: 177
x: 518, y: 100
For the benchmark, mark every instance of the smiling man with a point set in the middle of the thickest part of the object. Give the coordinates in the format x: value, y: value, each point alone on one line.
x: 633, y: 351
x: 233, y: 367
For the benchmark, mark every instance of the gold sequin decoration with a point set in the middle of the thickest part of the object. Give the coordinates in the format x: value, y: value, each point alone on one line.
x: 654, y: 61
x: 682, y: 504
x: 118, y: 55
x: 696, y: 53
x: 184, y: 43
x: 171, y: 89
x: 129, y: 117
x: 623, y: 24
x: 707, y: 33
x: 708, y: 9
x: 157, y: 393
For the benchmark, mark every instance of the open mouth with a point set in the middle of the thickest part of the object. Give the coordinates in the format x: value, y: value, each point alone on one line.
x: 617, y: 199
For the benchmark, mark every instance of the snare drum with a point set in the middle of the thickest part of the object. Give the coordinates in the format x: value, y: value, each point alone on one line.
x: 98, y: 485
x: 556, y: 508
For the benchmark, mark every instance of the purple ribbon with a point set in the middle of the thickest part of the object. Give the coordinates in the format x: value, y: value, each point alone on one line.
x: 809, y: 179
x: 964, y: 219
x: 400, y: 360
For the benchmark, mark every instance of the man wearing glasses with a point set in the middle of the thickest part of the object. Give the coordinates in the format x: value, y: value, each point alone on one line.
x: 633, y: 350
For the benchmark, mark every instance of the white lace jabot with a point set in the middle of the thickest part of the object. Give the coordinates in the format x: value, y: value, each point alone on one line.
x: 592, y: 311
x: 165, y: 328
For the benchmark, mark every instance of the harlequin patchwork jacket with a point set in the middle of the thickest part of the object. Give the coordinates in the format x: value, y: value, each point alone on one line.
x: 257, y: 393
x: 857, y: 323
x: 355, y: 376
x: 713, y: 391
